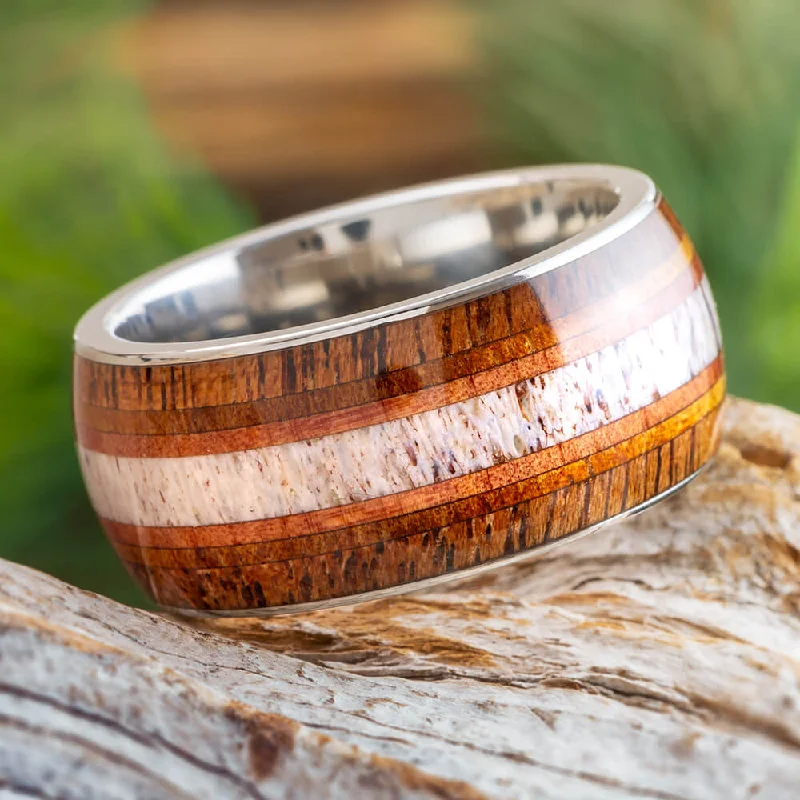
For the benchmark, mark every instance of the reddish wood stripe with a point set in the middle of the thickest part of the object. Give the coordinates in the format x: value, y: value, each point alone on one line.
x: 388, y: 348
x: 587, y: 447
x: 428, y: 553
x: 613, y: 328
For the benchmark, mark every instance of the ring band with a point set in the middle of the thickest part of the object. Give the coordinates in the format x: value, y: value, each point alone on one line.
x: 396, y: 390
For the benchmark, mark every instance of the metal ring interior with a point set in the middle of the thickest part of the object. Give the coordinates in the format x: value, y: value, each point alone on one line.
x: 364, y: 263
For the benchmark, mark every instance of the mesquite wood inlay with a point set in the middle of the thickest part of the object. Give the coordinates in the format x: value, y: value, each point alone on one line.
x: 414, y: 448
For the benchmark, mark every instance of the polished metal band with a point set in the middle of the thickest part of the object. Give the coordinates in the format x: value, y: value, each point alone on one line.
x: 337, y: 271
x: 389, y: 392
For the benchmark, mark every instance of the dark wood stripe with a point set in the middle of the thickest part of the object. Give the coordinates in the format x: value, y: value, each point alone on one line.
x: 524, y: 307
x: 613, y: 328
x: 587, y: 452
x: 421, y: 554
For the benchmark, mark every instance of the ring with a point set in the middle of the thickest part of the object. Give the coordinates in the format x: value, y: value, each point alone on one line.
x: 395, y: 391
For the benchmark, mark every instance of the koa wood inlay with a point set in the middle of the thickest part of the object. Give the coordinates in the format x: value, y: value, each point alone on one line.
x: 286, y: 460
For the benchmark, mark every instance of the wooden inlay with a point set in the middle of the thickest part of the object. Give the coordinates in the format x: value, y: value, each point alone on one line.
x: 415, y: 448
x: 615, y: 446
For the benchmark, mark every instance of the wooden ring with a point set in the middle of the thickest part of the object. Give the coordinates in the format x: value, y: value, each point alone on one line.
x: 397, y: 390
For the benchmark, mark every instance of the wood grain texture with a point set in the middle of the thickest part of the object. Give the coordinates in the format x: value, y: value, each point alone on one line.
x: 654, y: 293
x: 657, y: 659
x: 370, y: 460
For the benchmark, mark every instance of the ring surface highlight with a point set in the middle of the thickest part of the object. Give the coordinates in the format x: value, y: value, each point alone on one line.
x: 393, y: 391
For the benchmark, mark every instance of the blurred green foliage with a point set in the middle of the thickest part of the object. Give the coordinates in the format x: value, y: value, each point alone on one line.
x: 704, y: 96
x: 88, y: 199
x: 777, y: 305
x: 701, y: 94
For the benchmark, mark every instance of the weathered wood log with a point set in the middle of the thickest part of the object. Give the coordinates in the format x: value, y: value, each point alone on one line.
x: 657, y: 659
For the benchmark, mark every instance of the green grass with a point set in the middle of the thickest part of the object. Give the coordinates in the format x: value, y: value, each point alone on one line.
x: 777, y: 305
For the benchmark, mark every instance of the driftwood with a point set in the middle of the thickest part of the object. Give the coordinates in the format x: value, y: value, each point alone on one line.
x: 657, y: 659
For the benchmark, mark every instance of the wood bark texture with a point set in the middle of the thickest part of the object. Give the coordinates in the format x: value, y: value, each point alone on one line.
x: 657, y: 659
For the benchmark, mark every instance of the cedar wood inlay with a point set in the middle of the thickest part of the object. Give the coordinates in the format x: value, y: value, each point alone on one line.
x: 571, y: 504
x: 391, y: 372
x: 706, y: 390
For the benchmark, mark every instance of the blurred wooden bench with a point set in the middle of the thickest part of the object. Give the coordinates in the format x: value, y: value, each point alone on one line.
x: 300, y: 104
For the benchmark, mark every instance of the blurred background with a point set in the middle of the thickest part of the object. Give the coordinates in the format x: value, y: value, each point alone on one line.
x: 132, y: 132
